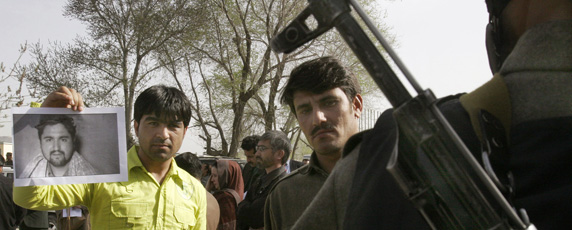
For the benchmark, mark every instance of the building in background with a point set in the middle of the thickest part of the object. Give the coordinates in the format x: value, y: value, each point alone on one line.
x: 5, y: 145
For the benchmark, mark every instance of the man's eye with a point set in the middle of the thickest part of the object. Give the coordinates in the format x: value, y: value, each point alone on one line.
x: 64, y: 140
x: 303, y: 111
x: 331, y: 103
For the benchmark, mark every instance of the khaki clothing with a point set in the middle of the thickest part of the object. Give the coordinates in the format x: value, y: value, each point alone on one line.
x: 329, y: 206
x: 291, y: 195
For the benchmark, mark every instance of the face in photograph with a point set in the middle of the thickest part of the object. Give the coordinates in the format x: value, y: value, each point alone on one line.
x: 57, y: 144
x: 159, y: 140
x: 328, y: 119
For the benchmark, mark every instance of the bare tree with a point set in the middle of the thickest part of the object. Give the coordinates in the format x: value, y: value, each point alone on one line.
x: 217, y: 51
x: 14, y: 95
x: 119, y: 56
x: 236, y: 78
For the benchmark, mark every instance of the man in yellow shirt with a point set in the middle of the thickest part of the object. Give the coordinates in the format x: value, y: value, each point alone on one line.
x: 158, y: 194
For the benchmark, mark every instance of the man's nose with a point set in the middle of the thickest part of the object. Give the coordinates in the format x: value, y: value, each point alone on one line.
x: 163, y: 132
x: 318, y: 117
x: 56, y: 145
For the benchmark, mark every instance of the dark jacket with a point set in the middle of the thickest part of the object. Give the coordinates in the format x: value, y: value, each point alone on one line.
x: 538, y: 78
x: 294, y: 164
x: 251, y: 210
x: 249, y: 175
x: 11, y: 214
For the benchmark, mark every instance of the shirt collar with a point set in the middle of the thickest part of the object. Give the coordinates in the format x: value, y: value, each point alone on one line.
x: 133, y: 161
x: 313, y: 166
x: 273, y: 174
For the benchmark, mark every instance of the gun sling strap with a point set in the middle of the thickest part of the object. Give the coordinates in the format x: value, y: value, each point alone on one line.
x: 489, y: 110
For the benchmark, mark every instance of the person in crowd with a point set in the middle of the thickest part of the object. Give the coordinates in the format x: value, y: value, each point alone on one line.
x: 272, y: 150
x: 36, y: 220
x: 67, y: 220
x: 9, y: 160
x: 250, y: 172
x: 325, y: 97
x: 291, y: 165
x: 191, y: 163
x: 11, y: 214
x: 227, y: 186
x: 59, y: 156
x: 161, y: 117
x: 205, y: 173
x: 306, y: 160
x: 529, y: 44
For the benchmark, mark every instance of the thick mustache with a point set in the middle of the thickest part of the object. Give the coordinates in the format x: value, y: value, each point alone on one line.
x: 322, y: 126
x: 161, y: 142
x: 56, y: 151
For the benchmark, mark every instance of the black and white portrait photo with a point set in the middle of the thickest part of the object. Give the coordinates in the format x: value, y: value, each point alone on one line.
x: 60, y: 146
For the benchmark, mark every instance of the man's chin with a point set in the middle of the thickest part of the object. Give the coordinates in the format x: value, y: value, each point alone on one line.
x: 58, y: 163
x: 161, y: 156
x: 328, y: 148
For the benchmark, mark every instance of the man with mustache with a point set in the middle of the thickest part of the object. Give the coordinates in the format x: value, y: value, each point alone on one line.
x: 529, y: 47
x: 158, y: 194
x: 272, y: 151
x: 326, y: 101
x: 59, y: 155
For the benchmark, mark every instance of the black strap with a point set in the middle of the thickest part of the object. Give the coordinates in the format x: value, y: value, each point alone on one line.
x: 495, y: 154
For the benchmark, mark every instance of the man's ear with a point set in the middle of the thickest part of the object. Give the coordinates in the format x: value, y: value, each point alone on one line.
x: 357, y: 105
x: 279, y: 154
x: 136, y: 127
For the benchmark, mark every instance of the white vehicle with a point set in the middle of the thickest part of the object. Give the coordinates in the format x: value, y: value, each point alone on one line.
x: 8, y: 171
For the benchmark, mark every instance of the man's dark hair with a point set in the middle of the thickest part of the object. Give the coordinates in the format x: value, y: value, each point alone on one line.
x: 164, y: 102
x: 190, y: 163
x: 318, y: 76
x: 53, y: 119
x: 250, y: 142
x: 495, y: 7
x: 278, y: 141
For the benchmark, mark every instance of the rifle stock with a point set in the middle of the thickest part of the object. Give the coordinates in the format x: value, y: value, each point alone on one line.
x: 432, y: 168
x: 431, y: 163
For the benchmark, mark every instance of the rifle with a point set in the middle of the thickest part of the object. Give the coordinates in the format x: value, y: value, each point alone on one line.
x: 432, y: 166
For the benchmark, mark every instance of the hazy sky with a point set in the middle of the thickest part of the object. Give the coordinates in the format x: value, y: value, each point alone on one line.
x: 440, y: 41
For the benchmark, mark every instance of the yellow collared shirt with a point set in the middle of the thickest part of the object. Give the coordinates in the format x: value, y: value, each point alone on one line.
x: 140, y: 203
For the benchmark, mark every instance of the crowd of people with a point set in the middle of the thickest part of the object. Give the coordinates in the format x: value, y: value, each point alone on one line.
x: 345, y: 184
